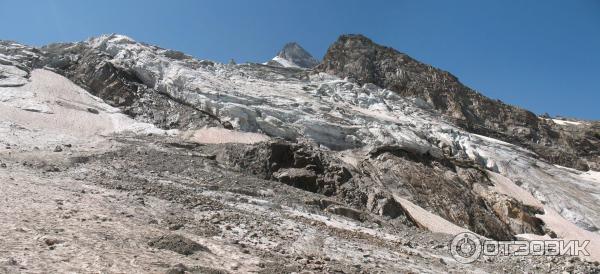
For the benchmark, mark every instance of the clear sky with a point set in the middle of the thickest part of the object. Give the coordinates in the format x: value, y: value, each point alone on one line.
x: 540, y: 55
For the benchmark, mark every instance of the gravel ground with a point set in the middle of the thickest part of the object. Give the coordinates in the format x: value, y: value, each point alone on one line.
x: 152, y: 205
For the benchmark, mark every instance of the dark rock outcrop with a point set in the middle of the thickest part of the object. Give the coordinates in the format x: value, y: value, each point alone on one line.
x: 447, y: 189
x: 177, y: 243
x: 299, y: 165
x: 439, y: 185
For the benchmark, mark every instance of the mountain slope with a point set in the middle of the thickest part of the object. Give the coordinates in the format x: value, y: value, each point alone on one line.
x: 240, y: 146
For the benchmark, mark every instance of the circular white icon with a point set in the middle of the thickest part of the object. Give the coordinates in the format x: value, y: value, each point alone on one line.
x: 466, y: 247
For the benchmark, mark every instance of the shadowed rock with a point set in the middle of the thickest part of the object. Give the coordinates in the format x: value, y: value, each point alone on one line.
x: 177, y: 243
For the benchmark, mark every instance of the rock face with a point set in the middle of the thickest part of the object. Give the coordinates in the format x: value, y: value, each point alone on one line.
x: 294, y: 56
x: 268, y: 163
x: 359, y: 58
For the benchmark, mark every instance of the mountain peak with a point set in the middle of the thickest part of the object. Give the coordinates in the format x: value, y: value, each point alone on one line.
x: 291, y: 48
x: 293, y: 55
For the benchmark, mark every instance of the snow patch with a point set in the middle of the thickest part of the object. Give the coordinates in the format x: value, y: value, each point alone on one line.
x: 507, y: 187
x: 284, y: 63
x: 50, y: 109
x: 221, y: 136
x: 564, y: 122
x: 428, y: 220
x: 568, y: 231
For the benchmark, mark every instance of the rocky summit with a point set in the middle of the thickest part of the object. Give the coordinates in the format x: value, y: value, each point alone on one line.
x: 121, y: 157
x: 294, y: 56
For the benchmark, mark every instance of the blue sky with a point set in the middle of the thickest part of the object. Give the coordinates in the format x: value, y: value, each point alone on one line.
x: 540, y: 55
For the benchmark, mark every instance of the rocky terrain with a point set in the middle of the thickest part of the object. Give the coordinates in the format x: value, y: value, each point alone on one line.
x: 117, y: 156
